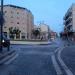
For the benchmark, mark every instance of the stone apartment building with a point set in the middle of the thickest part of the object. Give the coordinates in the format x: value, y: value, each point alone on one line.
x: 69, y: 22
x: 19, y: 22
x: 53, y: 35
x: 44, y: 31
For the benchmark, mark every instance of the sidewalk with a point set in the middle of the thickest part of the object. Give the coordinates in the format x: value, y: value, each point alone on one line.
x: 31, y: 43
x: 68, y: 56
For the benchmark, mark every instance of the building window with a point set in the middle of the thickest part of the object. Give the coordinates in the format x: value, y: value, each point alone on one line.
x: 5, y: 27
x: 17, y: 12
x: 23, y: 35
x: 11, y: 16
x: 12, y: 12
x: 11, y: 22
x: 5, y: 11
x: 17, y: 22
x: 17, y: 17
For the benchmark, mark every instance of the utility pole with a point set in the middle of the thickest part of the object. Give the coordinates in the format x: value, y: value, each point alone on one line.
x: 1, y: 24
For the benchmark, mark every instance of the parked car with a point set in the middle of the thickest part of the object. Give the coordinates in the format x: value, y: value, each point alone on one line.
x: 5, y: 42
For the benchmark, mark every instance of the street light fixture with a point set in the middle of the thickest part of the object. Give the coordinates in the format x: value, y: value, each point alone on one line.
x: 1, y: 24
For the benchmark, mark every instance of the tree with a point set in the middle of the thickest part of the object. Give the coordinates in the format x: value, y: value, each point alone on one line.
x: 11, y: 30
x: 14, y: 32
x: 11, y: 33
x: 36, y: 33
x: 17, y: 32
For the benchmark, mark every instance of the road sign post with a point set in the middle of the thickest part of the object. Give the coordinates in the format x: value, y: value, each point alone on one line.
x: 1, y: 32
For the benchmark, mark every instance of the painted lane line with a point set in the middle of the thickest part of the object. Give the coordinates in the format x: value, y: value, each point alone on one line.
x: 66, y: 69
x: 57, y: 50
x: 56, y: 66
x: 9, y: 61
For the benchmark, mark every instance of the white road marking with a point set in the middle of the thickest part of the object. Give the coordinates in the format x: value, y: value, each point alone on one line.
x: 56, y: 50
x: 9, y: 61
x: 67, y: 70
x: 56, y: 66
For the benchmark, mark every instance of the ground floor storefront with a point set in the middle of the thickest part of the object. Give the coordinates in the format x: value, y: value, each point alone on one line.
x: 26, y: 36
x: 68, y: 36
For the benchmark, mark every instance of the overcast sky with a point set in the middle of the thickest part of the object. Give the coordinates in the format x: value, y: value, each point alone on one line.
x: 49, y: 11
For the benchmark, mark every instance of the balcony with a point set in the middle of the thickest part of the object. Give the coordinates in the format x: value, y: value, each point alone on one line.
x: 68, y: 21
x: 69, y: 28
x: 67, y: 15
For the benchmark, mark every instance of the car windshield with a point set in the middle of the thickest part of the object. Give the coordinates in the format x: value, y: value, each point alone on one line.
x: 38, y: 37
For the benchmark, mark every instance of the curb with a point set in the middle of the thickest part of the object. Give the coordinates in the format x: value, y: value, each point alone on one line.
x: 30, y: 43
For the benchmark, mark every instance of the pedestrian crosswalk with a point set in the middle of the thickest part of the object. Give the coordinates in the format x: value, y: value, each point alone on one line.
x: 41, y: 60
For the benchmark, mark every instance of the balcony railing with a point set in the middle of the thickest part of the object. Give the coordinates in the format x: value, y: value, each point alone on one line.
x: 68, y: 21
x: 68, y: 15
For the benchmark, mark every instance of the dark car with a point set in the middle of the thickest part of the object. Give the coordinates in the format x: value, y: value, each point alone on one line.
x: 5, y: 42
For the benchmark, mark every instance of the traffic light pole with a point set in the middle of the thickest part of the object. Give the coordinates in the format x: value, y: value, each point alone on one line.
x: 1, y: 24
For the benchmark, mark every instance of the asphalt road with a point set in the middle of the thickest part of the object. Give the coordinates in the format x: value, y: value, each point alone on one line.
x: 32, y: 60
x: 68, y: 55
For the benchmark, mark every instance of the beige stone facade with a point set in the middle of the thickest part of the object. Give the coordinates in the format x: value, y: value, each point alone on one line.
x: 44, y: 31
x: 69, y: 22
x: 69, y: 19
x: 18, y: 18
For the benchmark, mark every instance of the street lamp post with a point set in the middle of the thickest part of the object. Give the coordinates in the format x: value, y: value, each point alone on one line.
x: 1, y: 24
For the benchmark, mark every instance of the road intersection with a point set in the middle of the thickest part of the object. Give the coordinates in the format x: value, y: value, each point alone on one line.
x: 37, y: 60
